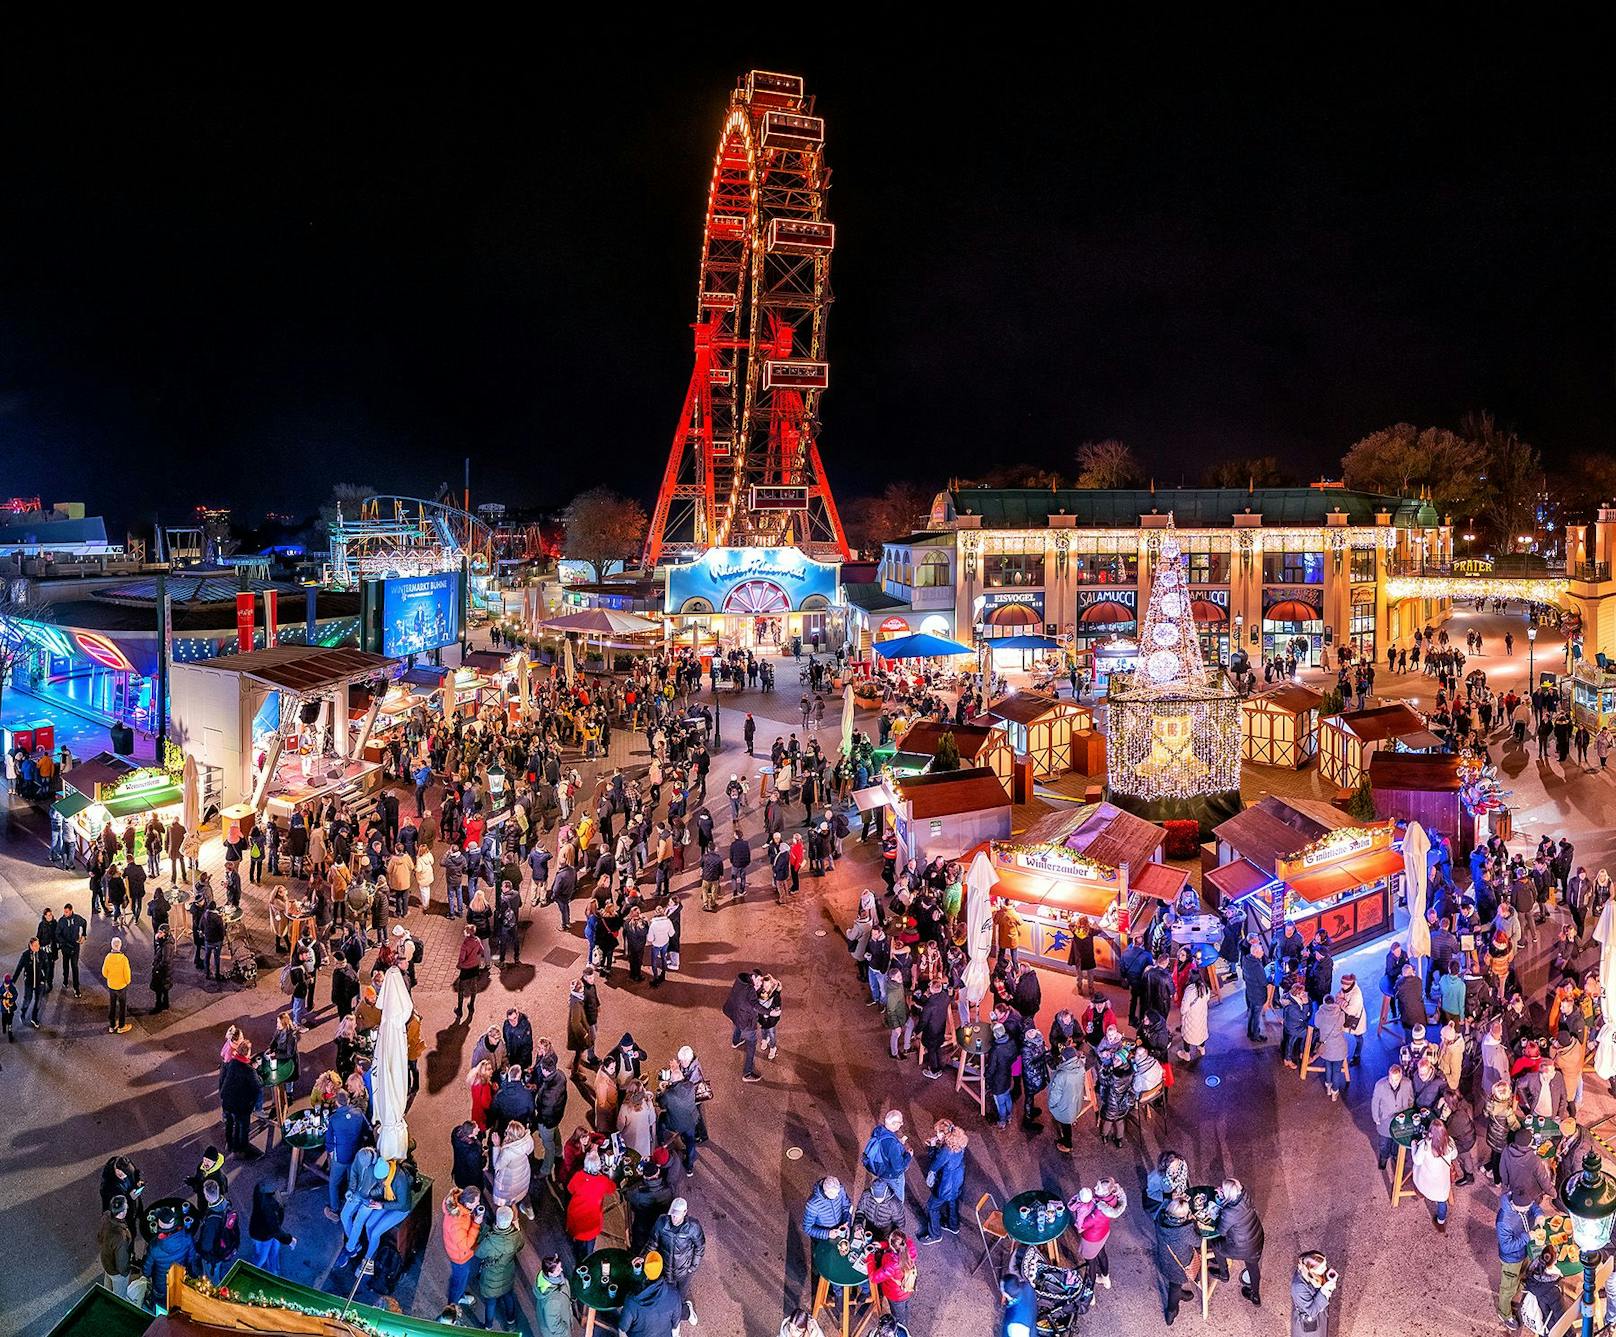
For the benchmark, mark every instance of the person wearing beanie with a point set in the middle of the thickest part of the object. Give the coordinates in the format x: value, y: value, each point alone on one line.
x: 656, y: 1310
x: 171, y: 1244
x: 648, y: 1197
x: 497, y: 1251
x: 115, y: 971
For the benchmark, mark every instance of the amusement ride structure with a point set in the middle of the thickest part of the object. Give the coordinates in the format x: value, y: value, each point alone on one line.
x: 407, y: 536
x: 744, y: 469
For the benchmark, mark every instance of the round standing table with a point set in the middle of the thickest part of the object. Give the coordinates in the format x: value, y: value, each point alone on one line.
x: 608, y: 1280
x: 1026, y: 1230
x: 834, y: 1268
x: 1207, y: 1227
x: 1408, y: 1127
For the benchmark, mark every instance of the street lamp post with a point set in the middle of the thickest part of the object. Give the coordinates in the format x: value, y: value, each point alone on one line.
x: 1590, y: 1198
x: 1531, y: 645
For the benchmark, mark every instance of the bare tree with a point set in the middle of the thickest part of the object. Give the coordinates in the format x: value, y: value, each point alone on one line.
x: 1105, y: 464
x: 1514, y: 477
x: 901, y: 508
x: 1248, y: 471
x: 1403, y: 460
x: 603, y: 527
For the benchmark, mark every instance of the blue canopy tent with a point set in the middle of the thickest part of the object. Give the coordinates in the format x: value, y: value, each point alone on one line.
x: 922, y: 645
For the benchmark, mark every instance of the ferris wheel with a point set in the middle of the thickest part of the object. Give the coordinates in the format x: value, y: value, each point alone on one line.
x: 744, y: 469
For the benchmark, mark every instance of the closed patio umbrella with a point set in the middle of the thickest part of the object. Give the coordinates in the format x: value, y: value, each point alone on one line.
x: 978, y: 927
x: 390, y: 1080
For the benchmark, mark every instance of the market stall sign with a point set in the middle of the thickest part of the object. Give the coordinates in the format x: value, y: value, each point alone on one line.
x: 1343, y: 843
x: 1054, y: 859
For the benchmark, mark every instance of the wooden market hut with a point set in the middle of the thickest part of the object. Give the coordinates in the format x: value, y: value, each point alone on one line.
x: 1347, y: 741
x: 1040, y: 729
x: 1430, y: 788
x: 979, y: 745
x: 1281, y: 727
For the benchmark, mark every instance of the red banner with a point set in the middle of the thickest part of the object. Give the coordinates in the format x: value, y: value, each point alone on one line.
x: 245, y: 604
x: 272, y: 608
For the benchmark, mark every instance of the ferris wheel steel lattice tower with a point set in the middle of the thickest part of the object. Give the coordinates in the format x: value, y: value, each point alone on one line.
x: 744, y: 469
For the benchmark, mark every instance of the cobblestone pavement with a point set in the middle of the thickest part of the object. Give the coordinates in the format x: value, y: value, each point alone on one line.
x: 73, y: 1095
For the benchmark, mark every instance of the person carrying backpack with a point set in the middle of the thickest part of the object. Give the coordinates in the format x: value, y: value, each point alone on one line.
x: 218, y: 1233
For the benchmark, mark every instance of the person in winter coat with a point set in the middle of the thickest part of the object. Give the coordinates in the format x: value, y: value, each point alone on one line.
x: 893, y: 1272
x: 1331, y: 1022
x: 887, y: 1154
x: 1242, y: 1236
x: 172, y: 1245
x: 1066, y: 1094
x: 655, y: 1309
x: 552, y: 1299
x: 1392, y: 1095
x: 1192, y: 1019
x: 587, y: 1190
x: 1114, y: 1093
x: 1177, y: 1255
x: 266, y: 1227
x: 512, y: 1168
x: 1355, y: 1019
x: 1312, y: 1287
x: 945, y: 1177
x: 462, y: 1224
x: 1523, y: 1173
x: 827, y: 1209
x: 1000, y: 1061
x: 1433, y: 1160
x: 1500, y: 1118
x: 681, y: 1113
x: 1093, y: 1210
x: 240, y: 1090
x: 117, y: 1245
x: 497, y: 1250
x: 742, y: 1008
x: 679, y: 1239
x: 1034, y: 1076
x: 1293, y: 1017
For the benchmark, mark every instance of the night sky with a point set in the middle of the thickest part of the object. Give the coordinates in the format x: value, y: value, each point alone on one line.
x: 237, y: 274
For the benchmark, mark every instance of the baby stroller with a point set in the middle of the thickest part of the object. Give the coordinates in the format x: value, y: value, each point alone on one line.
x: 1064, y: 1294
x: 238, y: 946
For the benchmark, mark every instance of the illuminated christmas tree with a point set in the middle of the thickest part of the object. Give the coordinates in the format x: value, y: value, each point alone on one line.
x: 1173, y: 733
x: 1169, y: 650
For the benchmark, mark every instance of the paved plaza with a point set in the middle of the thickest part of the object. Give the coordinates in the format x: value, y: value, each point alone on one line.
x: 73, y: 1095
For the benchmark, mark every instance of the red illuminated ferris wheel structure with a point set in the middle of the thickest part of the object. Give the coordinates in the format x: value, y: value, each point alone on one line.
x: 744, y: 469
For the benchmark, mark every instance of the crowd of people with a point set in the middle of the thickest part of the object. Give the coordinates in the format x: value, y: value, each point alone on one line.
x: 342, y: 890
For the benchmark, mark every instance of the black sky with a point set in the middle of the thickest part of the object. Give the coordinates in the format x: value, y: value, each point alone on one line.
x: 238, y: 268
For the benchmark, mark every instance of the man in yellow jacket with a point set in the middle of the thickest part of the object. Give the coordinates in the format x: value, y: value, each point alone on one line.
x: 115, y: 971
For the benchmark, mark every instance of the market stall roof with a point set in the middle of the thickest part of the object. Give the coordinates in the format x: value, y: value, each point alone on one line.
x: 486, y: 661
x: 1237, y: 879
x: 1379, y: 723
x: 100, y: 1313
x: 952, y: 793
x: 1361, y: 871
x: 1099, y: 831
x: 105, y: 768
x: 145, y: 800
x: 1025, y: 707
x: 301, y: 668
x: 1433, y: 772
x: 1292, y: 697
x: 71, y: 805
x: 924, y: 735
x: 1160, y: 880
x: 1272, y: 829
x: 869, y: 596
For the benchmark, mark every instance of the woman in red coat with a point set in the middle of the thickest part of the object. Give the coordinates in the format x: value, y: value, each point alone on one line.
x: 894, y: 1271
x: 481, y: 1083
x: 587, y: 1192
